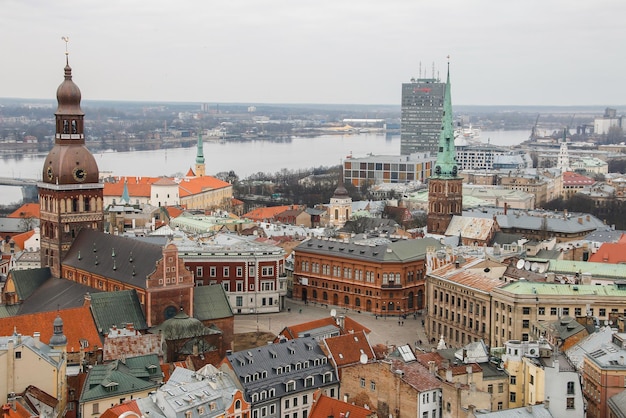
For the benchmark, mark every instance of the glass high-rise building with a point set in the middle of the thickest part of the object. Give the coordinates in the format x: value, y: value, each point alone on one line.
x: 422, y: 111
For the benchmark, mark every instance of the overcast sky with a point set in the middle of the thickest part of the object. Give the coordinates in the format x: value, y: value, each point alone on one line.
x: 503, y: 52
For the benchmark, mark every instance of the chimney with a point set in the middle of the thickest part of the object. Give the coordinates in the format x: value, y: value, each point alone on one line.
x: 580, y: 220
x: 87, y: 301
x: 341, y: 322
x: 529, y: 408
x: 449, y: 375
x: 471, y: 413
x: 37, y: 338
x: 506, y: 207
x: 130, y: 327
x: 432, y: 367
x: 546, y: 404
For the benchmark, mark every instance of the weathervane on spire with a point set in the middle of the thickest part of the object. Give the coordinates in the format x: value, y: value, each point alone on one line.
x: 66, y: 39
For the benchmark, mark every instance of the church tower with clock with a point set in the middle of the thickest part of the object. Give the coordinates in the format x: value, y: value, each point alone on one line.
x: 70, y: 193
x: 445, y: 186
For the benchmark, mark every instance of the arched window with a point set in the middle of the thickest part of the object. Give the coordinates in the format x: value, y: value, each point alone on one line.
x: 325, y: 296
x: 314, y: 294
x: 346, y: 300
x: 336, y: 213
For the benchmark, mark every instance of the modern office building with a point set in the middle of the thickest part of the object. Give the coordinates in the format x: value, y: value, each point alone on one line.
x: 377, y: 169
x: 422, y: 111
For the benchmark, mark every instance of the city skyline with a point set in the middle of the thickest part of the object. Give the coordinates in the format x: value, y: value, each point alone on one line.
x: 530, y: 53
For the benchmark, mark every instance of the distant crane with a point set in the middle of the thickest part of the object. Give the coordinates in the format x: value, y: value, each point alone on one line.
x: 533, y: 130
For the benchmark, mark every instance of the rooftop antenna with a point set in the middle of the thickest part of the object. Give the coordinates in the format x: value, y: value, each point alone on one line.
x: 420, y: 71
x: 433, y: 69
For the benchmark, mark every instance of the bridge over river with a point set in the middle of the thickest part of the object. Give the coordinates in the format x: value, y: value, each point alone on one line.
x: 28, y: 186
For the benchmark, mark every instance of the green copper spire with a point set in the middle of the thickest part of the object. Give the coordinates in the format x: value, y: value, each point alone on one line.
x: 446, y: 165
x: 125, y: 195
x: 199, y: 155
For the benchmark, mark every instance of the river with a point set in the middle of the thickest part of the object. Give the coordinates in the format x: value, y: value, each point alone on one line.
x: 244, y: 158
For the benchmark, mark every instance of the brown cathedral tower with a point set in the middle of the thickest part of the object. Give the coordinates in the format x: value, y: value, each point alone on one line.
x: 445, y: 186
x: 70, y: 194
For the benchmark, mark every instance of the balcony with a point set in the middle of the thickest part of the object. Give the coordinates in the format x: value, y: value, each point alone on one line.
x: 391, y: 285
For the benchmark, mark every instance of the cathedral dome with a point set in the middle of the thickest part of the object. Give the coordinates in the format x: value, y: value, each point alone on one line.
x: 70, y: 164
x: 68, y: 96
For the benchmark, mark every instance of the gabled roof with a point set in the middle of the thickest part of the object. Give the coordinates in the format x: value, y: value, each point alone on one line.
x: 210, y: 303
x: 117, y: 308
x: 15, y: 410
x: 20, y: 239
x: 264, y: 214
x: 117, y: 411
x: 611, y: 253
x: 27, y: 281
x: 119, y: 258
x: 470, y: 228
x: 292, y: 360
x: 197, y: 185
x: 417, y: 375
x: 106, y: 381
x: 137, y: 186
x: 55, y: 294
x: 27, y: 210
x: 296, y: 331
x: 347, y: 349
x: 78, y: 327
x: 325, y: 407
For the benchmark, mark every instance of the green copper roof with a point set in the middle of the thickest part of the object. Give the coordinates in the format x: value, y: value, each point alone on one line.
x: 446, y: 165
x: 200, y: 155
x: 557, y: 289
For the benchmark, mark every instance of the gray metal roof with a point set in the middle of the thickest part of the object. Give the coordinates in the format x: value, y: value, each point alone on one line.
x: 379, y: 250
x: 292, y: 360
x: 27, y: 281
x: 56, y: 294
x: 123, y: 259
x: 534, y: 411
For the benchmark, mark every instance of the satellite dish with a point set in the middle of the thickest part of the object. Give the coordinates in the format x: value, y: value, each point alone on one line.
x: 527, y: 265
x: 606, y: 322
x: 333, y: 313
x: 363, y: 358
x: 534, y: 267
x: 520, y: 264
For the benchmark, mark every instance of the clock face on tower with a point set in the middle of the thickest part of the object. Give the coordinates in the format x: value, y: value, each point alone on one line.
x: 79, y: 174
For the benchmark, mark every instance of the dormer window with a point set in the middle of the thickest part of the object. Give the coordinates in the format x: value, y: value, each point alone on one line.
x: 290, y: 386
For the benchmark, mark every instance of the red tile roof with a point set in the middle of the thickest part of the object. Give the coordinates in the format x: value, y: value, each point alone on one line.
x: 346, y: 349
x: 18, y: 412
x: 190, y: 173
x: 25, y: 211
x: 137, y: 186
x: 120, y: 409
x: 173, y: 211
x: 78, y: 324
x: 416, y: 375
x: 574, y: 179
x: 325, y: 406
x: 20, y: 239
x: 197, y: 185
x: 349, y: 325
x: 611, y: 253
x: 265, y: 214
